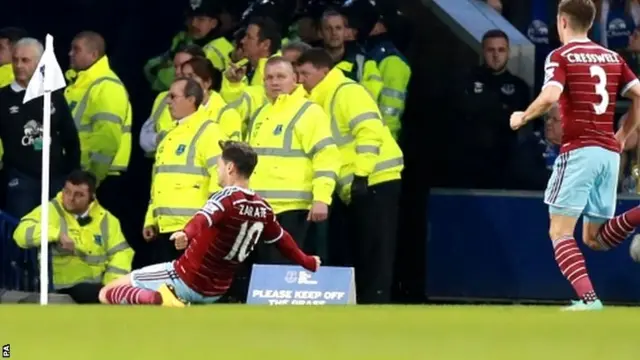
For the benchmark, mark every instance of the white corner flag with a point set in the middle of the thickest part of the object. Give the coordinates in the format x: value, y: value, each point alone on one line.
x: 48, y: 77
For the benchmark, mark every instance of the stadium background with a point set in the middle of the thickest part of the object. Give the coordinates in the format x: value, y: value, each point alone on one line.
x: 454, y: 244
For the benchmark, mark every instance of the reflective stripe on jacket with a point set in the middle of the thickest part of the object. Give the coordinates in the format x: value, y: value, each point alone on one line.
x: 365, y: 143
x: 216, y: 109
x: 101, y: 252
x: 363, y: 71
x: 184, y: 173
x: 298, y: 161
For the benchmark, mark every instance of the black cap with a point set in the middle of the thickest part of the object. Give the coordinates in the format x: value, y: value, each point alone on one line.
x: 362, y: 15
x: 279, y: 11
x: 210, y: 8
x: 315, y: 8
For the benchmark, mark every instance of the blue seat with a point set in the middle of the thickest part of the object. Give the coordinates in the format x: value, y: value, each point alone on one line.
x: 19, y: 268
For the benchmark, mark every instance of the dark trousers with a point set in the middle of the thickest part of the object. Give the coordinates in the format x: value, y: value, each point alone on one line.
x: 163, y: 249
x: 23, y: 192
x: 373, y: 222
x: 296, y: 224
x: 112, y: 195
x: 83, y: 293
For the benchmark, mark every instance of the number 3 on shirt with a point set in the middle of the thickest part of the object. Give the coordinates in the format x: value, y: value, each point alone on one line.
x: 245, y: 241
x: 601, y: 89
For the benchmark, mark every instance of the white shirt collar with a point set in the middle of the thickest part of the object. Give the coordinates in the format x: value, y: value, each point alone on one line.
x: 180, y: 121
x: 17, y: 87
x: 82, y: 215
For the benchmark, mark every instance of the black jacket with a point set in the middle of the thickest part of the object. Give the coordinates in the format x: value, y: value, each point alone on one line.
x: 21, y: 133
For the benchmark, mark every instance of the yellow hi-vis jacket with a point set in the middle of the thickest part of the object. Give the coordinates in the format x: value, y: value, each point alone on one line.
x: 252, y: 98
x: 101, y: 252
x: 6, y: 75
x: 101, y: 109
x: 364, y: 71
x: 160, y: 72
x: 298, y: 161
x: 366, y: 145
x: 233, y: 91
x: 184, y: 173
x: 161, y: 121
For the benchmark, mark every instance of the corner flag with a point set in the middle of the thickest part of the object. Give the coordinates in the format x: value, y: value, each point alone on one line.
x: 47, y: 78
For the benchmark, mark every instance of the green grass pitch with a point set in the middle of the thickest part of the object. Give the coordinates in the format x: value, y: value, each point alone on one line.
x: 229, y: 332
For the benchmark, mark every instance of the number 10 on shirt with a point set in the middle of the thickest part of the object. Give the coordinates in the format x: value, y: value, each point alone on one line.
x: 246, y: 240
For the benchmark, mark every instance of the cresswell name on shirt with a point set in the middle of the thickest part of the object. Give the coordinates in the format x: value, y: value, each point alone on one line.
x: 583, y: 58
x: 253, y: 211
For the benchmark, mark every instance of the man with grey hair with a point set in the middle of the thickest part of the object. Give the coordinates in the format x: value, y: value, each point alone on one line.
x: 21, y: 134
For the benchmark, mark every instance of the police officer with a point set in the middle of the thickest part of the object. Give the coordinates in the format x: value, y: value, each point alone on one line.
x: 347, y: 55
x: 485, y: 99
x: 204, y: 28
x: 371, y: 24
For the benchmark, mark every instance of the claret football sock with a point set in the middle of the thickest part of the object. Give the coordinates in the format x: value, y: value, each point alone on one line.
x: 615, y: 231
x: 127, y: 294
x: 572, y: 265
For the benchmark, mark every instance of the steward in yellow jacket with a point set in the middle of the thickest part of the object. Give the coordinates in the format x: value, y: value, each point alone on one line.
x: 298, y: 160
x: 88, y: 244
x: 101, y: 109
x: 185, y: 169
x: 160, y: 121
x: 261, y: 41
x: 367, y: 147
x: 370, y: 177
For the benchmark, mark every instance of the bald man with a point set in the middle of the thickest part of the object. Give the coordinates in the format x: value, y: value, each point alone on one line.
x: 102, y: 113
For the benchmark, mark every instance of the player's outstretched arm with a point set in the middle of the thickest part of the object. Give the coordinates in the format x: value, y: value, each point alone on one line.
x: 288, y: 247
x: 543, y: 103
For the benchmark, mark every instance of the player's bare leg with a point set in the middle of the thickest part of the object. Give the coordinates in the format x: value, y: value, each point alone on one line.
x: 570, y: 259
x: 121, y: 292
x: 611, y: 233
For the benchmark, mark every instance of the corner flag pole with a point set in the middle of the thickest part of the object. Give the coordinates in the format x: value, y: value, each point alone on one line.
x: 47, y: 78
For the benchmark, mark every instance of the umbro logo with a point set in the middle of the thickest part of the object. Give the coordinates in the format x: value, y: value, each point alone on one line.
x: 14, y: 109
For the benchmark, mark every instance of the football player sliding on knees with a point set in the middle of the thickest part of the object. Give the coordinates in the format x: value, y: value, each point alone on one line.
x: 216, y: 240
x: 584, y: 78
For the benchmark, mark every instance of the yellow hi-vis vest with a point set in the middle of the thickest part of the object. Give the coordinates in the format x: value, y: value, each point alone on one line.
x: 101, y: 109
x: 365, y: 142
x: 216, y: 109
x: 6, y: 75
x: 101, y: 252
x: 184, y: 173
x: 298, y: 161
x: 252, y: 98
x: 233, y: 91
